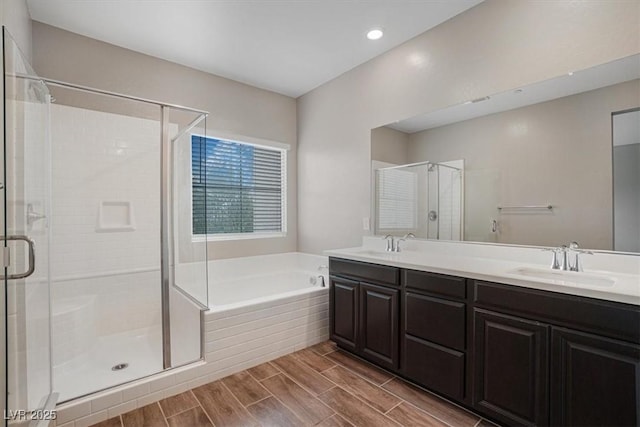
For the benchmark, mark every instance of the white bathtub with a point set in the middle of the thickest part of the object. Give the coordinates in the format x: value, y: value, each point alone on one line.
x: 262, y: 307
x: 237, y: 282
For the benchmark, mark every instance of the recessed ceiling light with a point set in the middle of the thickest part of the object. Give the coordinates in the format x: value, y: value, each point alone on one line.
x: 570, y: 73
x: 375, y: 34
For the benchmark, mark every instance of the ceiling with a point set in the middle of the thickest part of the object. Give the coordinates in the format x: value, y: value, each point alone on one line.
x: 286, y: 46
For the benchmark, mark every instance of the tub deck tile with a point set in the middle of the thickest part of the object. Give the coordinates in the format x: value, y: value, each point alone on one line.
x: 290, y: 391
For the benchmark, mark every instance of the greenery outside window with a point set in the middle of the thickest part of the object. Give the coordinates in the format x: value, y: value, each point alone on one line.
x: 238, y: 189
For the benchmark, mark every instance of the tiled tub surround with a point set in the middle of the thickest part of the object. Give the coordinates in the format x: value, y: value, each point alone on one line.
x: 264, y: 314
x: 499, y: 264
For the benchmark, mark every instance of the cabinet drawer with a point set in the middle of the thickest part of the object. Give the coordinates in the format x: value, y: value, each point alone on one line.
x: 372, y: 273
x: 611, y: 319
x: 434, y: 366
x: 437, y: 284
x: 435, y: 319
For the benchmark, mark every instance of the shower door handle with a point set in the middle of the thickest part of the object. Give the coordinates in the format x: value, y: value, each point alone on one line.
x: 6, y: 258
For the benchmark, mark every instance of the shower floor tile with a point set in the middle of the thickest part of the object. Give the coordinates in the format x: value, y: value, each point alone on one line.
x: 364, y: 400
x: 140, y: 349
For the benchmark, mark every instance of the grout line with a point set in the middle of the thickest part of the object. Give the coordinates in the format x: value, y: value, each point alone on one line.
x: 387, y: 381
x: 121, y: 420
x: 164, y: 417
x: 311, y: 392
x: 238, y: 400
x: 478, y: 423
x: 295, y: 414
x: 362, y: 376
x: 266, y: 378
x: 366, y: 404
x: 202, y: 407
x: 259, y: 400
x: 395, y: 406
x: 181, y: 412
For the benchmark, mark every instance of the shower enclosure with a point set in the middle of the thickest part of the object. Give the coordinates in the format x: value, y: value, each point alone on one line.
x: 103, y: 282
x: 426, y: 199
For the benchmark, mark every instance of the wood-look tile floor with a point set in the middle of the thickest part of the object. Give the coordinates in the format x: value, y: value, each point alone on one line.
x: 320, y: 385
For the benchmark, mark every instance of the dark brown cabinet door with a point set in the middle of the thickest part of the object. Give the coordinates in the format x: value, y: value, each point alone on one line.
x: 594, y: 381
x: 379, y: 313
x: 511, y: 368
x: 343, y: 312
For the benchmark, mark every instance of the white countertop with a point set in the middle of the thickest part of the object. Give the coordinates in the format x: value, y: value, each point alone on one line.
x: 620, y: 287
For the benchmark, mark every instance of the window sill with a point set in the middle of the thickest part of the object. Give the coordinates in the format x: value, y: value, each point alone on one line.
x: 239, y: 236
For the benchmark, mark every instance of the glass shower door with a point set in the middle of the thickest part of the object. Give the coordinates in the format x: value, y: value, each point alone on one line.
x: 25, y: 239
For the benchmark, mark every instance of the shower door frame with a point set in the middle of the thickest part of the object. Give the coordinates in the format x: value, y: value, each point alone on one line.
x: 166, y: 242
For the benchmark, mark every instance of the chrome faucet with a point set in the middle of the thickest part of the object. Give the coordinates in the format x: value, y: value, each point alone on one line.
x: 406, y: 236
x: 563, y: 261
x: 390, y: 243
x: 577, y: 264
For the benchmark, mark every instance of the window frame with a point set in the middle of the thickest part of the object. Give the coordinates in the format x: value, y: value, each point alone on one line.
x: 255, y: 142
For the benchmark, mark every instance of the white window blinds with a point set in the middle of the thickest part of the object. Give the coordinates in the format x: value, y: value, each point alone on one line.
x: 397, y: 199
x: 238, y: 188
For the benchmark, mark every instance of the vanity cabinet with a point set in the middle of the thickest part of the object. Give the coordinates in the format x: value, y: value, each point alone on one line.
x: 594, y: 380
x: 520, y: 356
x: 343, y: 294
x: 584, y: 351
x: 379, y: 314
x: 433, y: 331
x: 511, y: 368
x: 364, y: 310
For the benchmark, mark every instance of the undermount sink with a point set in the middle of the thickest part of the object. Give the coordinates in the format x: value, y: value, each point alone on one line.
x: 568, y: 277
x: 371, y: 252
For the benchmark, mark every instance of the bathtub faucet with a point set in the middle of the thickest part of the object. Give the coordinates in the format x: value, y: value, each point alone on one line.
x: 321, y: 276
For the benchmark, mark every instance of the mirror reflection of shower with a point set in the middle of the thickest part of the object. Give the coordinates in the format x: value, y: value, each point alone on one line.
x: 425, y: 198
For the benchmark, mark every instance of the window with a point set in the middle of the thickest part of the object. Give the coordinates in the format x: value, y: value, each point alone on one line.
x: 238, y: 189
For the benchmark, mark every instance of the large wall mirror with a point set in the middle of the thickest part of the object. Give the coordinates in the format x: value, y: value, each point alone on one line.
x: 541, y: 165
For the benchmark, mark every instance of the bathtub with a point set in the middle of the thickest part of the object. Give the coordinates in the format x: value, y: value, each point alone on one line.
x: 262, y: 307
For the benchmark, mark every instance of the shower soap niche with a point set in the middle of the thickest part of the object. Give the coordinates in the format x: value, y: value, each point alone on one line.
x: 115, y: 216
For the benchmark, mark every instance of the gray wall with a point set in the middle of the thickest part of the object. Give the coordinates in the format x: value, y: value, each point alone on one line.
x: 495, y: 46
x: 235, y: 109
x: 389, y: 146
x: 556, y: 152
x: 626, y: 193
